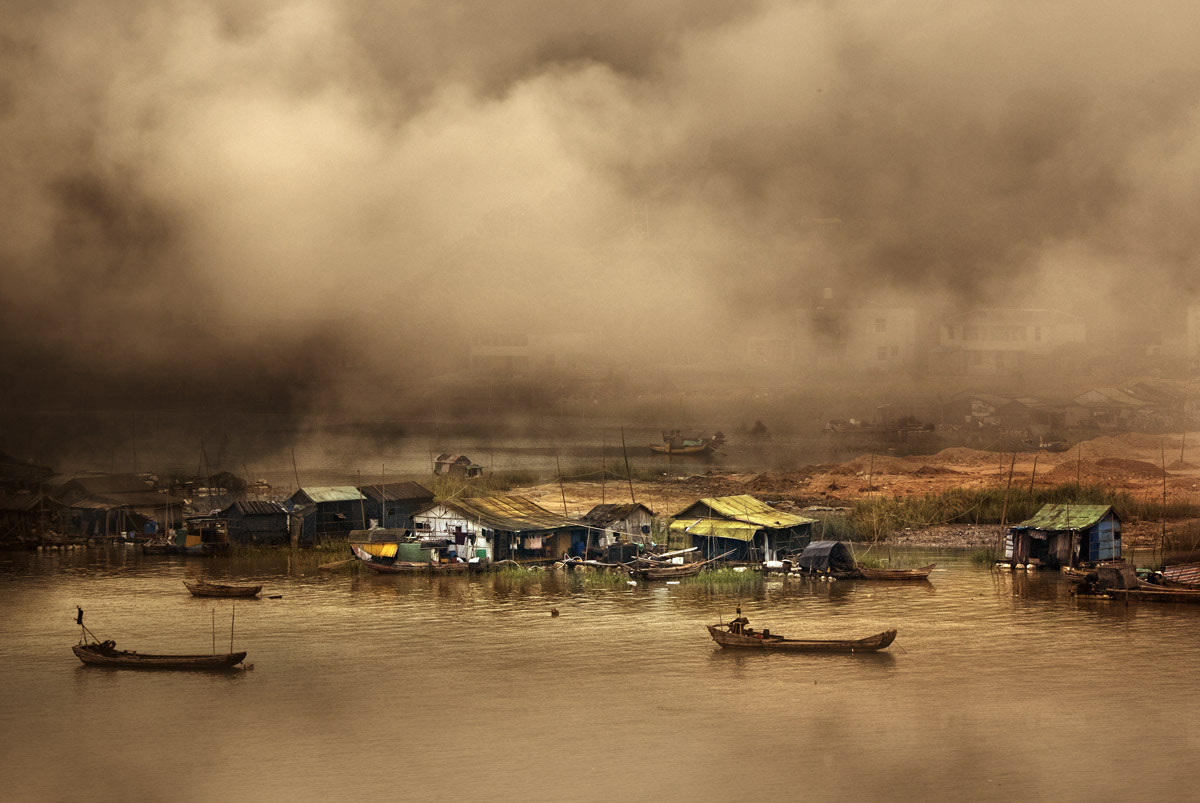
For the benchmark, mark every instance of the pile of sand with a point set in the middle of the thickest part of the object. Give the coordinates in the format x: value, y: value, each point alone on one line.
x: 875, y: 465
x: 964, y: 456
x: 1143, y: 440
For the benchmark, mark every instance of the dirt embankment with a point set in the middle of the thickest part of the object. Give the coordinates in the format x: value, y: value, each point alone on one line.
x: 1132, y: 463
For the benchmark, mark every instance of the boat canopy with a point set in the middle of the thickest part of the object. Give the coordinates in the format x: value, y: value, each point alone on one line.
x: 825, y: 556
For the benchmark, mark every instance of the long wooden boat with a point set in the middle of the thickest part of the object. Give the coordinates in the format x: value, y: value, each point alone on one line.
x: 768, y: 641
x: 105, y: 653
x: 200, y: 588
x: 1181, y: 575
x: 383, y: 566
x: 675, y: 444
x: 896, y: 574
x: 668, y: 572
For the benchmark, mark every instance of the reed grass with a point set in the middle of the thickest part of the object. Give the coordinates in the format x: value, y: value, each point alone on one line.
x: 985, y: 556
x: 610, y: 472
x: 724, y: 579
x: 463, y: 487
x: 876, y: 518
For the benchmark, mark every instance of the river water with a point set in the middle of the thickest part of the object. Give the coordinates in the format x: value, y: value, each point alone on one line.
x: 999, y: 686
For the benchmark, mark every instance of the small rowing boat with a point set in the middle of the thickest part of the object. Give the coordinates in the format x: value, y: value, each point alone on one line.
x: 105, y: 653
x: 896, y: 574
x: 200, y: 588
x: 738, y: 635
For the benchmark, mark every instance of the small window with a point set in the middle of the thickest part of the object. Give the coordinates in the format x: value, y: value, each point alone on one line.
x: 645, y: 529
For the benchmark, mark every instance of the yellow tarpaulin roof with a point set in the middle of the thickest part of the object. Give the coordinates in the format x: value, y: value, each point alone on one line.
x: 716, y: 528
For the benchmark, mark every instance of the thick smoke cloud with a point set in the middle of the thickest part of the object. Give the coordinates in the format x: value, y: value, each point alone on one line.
x: 259, y: 192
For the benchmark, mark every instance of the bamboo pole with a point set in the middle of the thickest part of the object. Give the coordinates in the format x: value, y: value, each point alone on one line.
x: 628, y: 473
x: 1004, y: 507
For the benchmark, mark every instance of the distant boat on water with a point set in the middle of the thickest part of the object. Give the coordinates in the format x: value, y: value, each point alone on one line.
x: 676, y: 444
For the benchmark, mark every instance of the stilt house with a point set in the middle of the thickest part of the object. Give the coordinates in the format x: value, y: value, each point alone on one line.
x: 502, y: 528
x: 1066, y: 535
x: 751, y: 528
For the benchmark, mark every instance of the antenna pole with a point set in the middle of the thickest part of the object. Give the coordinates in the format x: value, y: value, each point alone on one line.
x: 232, y: 617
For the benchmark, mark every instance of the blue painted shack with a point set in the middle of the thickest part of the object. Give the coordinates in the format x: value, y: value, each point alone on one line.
x: 321, y: 512
x: 1066, y: 535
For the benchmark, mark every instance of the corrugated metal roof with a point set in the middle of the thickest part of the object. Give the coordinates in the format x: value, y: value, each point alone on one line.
x: 255, y: 508
x: 1065, y: 517
x: 715, y: 528
x: 509, y: 513
x: 609, y: 513
x: 395, y: 491
x: 330, y: 493
x: 746, y: 508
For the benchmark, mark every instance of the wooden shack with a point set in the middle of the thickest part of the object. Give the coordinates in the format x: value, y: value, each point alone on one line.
x: 615, y: 523
x: 1066, y: 535
x: 321, y: 512
x: 392, y: 504
x: 250, y: 522
x: 750, y: 528
x: 455, y: 465
x: 502, y: 528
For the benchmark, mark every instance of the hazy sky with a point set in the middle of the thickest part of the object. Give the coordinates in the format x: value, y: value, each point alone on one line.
x: 278, y: 168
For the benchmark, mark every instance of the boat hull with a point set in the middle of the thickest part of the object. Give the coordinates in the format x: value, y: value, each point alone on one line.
x: 896, y: 574
x: 218, y: 590
x: 722, y: 636
x: 103, y: 654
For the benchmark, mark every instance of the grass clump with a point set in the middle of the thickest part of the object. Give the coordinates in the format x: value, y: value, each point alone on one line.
x: 985, y: 556
x: 725, y: 579
x: 497, y: 482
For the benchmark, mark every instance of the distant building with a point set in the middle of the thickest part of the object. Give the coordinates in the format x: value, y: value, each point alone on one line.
x: 511, y: 353
x: 1004, y: 341
x: 455, y: 465
x: 860, y: 336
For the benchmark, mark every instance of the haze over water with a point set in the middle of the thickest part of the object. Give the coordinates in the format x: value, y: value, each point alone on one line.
x: 998, y: 687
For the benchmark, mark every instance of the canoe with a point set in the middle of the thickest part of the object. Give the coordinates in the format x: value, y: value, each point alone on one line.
x: 1154, y: 595
x: 668, y: 572
x: 896, y: 574
x: 105, y: 653
x: 199, y: 588
x: 768, y: 641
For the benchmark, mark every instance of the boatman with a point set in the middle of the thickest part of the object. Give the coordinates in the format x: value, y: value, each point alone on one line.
x: 737, y: 624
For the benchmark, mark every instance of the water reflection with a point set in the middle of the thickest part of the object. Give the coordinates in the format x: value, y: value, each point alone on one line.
x: 988, y: 668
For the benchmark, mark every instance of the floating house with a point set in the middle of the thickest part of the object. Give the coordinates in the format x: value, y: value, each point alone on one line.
x: 392, y: 504
x: 494, y: 528
x: 455, y: 465
x: 256, y: 523
x: 326, y: 511
x: 751, y: 528
x: 1066, y: 535
x: 28, y: 515
x: 613, y: 523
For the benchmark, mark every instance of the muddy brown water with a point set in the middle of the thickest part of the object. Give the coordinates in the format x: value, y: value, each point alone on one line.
x: 999, y: 687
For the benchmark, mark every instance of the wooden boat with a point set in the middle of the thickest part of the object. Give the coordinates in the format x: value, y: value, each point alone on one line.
x: 1181, y: 575
x: 677, y: 445
x: 736, y: 635
x: 200, y: 588
x: 105, y: 653
x: 384, y: 566
x: 896, y: 574
x: 651, y: 570
x: 1151, y: 594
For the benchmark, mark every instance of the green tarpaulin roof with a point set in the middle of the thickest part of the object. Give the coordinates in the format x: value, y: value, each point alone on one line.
x: 1065, y: 517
